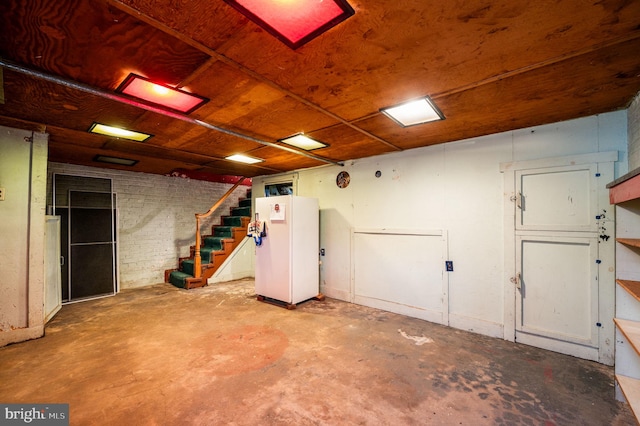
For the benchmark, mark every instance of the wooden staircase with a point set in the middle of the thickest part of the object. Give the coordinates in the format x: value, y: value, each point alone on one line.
x: 218, y: 245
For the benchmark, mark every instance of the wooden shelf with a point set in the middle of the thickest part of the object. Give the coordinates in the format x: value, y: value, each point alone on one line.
x: 624, y: 192
x: 632, y: 287
x: 625, y: 188
x: 632, y: 242
x: 631, y: 330
x: 631, y: 390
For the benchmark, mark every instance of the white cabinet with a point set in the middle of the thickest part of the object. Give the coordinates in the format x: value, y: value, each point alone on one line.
x: 625, y: 194
x: 287, y: 267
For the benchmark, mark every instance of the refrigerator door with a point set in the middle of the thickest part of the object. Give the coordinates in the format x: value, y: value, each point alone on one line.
x: 273, y: 257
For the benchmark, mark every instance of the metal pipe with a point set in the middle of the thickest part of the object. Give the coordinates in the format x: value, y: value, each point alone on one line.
x: 158, y: 110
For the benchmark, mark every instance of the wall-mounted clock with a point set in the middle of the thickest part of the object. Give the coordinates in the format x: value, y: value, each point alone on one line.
x: 343, y: 179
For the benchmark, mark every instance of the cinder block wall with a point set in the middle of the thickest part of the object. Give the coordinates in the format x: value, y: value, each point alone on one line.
x: 633, y: 132
x: 156, y: 217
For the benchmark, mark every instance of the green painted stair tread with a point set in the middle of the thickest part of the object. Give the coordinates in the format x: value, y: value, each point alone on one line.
x: 241, y: 211
x: 179, y: 279
x: 213, y: 242
x: 245, y: 203
x: 188, y: 266
x: 205, y: 254
x: 223, y: 231
x: 232, y: 220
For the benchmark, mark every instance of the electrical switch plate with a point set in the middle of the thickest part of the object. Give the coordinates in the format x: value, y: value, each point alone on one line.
x: 1, y: 194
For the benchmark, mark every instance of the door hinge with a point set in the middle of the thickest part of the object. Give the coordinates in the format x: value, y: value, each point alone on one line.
x: 517, y: 281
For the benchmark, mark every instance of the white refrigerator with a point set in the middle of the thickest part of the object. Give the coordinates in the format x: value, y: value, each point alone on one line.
x: 287, y: 268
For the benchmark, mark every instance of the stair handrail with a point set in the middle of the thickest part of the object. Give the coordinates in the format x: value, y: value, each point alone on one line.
x: 197, y: 260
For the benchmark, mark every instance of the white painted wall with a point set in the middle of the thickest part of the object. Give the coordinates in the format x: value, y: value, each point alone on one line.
x: 456, y: 187
x: 23, y: 159
x: 156, y: 218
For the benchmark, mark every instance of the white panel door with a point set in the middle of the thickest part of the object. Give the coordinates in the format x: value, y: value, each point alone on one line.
x: 557, y: 295
x: 557, y: 298
x: 557, y: 198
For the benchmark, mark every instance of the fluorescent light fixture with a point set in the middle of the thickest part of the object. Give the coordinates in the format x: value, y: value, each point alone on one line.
x: 241, y: 158
x: 294, y: 22
x: 115, y: 160
x: 302, y: 141
x: 414, y: 112
x: 160, y: 94
x: 117, y: 132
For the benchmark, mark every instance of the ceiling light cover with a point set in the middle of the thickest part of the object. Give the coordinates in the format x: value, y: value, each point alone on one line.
x: 161, y: 94
x: 241, y: 158
x: 302, y: 141
x: 414, y: 112
x: 115, y: 160
x: 117, y: 132
x: 294, y: 22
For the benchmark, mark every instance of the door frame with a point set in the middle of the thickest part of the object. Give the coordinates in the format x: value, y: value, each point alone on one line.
x: 85, y: 186
x: 606, y: 269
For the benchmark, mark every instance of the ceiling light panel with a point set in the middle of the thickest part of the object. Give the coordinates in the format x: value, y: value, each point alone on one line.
x: 414, y: 112
x: 161, y: 94
x: 117, y: 132
x: 115, y: 160
x: 303, y: 142
x: 294, y: 22
x: 241, y: 158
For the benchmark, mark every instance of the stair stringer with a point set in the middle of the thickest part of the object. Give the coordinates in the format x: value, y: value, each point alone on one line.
x: 240, y: 264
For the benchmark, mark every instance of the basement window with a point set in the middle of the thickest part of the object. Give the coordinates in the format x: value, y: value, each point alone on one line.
x: 275, y: 189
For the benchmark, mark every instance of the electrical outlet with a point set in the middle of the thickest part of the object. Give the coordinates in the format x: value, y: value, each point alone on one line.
x: 1, y: 194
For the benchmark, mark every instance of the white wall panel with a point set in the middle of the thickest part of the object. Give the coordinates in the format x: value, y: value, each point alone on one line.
x: 401, y: 271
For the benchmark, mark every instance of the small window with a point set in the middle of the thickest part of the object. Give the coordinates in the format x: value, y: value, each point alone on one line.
x: 275, y: 189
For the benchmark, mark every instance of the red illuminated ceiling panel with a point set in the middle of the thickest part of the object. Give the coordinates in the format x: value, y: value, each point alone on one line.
x: 294, y: 22
x: 167, y: 96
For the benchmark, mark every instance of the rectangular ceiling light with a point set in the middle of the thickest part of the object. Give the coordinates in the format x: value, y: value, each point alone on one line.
x: 160, y: 94
x: 241, y: 158
x: 115, y: 160
x: 414, y: 112
x: 294, y: 22
x: 302, y: 141
x: 116, y: 132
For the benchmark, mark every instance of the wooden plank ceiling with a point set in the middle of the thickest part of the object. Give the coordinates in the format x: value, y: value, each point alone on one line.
x: 490, y: 66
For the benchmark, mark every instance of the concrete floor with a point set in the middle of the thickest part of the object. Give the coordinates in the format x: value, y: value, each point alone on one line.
x: 215, y: 355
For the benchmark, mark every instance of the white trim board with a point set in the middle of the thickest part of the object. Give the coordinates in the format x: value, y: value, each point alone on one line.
x: 569, y: 160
